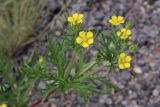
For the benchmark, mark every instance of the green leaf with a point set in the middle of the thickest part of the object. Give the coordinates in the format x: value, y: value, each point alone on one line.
x: 133, y: 47
x: 128, y: 24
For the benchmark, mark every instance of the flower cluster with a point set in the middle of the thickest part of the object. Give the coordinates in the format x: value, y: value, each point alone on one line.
x: 124, y: 61
x: 75, y: 19
x: 85, y: 38
x: 3, y: 105
x: 124, y: 33
x: 116, y: 20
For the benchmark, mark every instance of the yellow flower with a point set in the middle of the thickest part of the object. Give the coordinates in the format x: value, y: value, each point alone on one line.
x: 124, y: 33
x: 41, y: 60
x: 3, y: 105
x: 75, y: 19
x: 124, y: 61
x: 116, y: 20
x: 85, y: 38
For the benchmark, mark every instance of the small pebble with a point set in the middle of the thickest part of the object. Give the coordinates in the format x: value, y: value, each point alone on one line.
x: 53, y: 105
x: 155, y: 93
x: 126, y: 75
x: 138, y: 70
x: 109, y: 101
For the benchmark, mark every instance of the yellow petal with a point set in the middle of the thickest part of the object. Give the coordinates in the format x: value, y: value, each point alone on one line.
x: 122, y: 21
x: 3, y: 105
x: 82, y: 34
x: 89, y: 34
x: 75, y: 16
x: 123, y: 30
x: 78, y: 40
x: 90, y: 41
x: 124, y: 37
x: 110, y: 21
x: 121, y: 66
x: 114, y: 18
x: 79, y: 21
x: 128, y: 32
x: 120, y: 60
x: 128, y: 58
x: 85, y: 45
x: 127, y: 65
x: 122, y: 55
x: 118, y: 33
x: 120, y: 18
x: 70, y: 19
x: 80, y: 16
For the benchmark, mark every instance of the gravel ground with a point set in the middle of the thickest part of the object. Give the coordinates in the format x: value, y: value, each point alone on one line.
x: 142, y: 90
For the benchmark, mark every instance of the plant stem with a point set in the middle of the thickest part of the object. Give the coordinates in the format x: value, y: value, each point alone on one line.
x: 89, y: 74
x: 87, y: 68
x: 70, y: 65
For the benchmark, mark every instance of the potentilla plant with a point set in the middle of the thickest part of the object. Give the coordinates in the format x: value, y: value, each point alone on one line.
x: 71, y: 70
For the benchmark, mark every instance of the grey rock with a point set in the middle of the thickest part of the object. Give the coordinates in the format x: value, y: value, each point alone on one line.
x: 109, y: 101
x: 141, y: 62
x: 41, y: 85
x: 80, y: 100
x: 151, y: 31
x: 94, y: 105
x: 94, y: 98
x: 126, y: 75
x: 53, y: 105
x: 99, y: 15
x: 78, y: 105
x: 125, y: 103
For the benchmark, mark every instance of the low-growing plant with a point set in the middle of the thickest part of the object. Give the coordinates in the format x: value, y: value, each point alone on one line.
x: 69, y: 67
x: 17, y: 19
